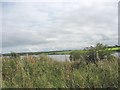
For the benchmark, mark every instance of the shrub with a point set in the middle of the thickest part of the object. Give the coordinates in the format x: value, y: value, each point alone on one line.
x: 75, y: 55
x: 91, y: 54
x: 14, y: 55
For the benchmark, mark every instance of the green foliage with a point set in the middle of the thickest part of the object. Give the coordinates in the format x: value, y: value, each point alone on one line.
x: 75, y: 55
x: 14, y: 55
x: 47, y: 73
x: 91, y: 54
x: 102, y: 50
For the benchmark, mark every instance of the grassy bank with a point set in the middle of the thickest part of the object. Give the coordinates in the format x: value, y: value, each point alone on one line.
x: 43, y: 72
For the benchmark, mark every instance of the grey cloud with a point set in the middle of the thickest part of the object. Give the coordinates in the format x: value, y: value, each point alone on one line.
x: 64, y: 27
x: 21, y: 38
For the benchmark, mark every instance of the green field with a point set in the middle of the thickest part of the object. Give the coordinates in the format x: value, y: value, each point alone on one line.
x: 82, y: 51
x: 114, y: 48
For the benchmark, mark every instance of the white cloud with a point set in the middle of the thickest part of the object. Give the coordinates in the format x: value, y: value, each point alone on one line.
x: 51, y: 39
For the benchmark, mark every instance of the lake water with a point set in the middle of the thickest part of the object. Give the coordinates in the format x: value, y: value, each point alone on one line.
x: 55, y: 57
x: 117, y: 54
x: 60, y: 57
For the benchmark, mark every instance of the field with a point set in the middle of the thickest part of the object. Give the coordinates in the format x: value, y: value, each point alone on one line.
x: 43, y: 72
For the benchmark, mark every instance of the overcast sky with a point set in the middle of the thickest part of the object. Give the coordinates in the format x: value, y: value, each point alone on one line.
x: 68, y: 24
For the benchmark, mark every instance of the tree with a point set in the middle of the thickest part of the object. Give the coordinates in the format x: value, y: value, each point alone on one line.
x: 75, y: 55
x: 91, y: 54
x: 14, y: 55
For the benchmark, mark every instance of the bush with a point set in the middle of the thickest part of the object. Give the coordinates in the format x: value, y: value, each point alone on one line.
x: 14, y: 55
x: 91, y: 54
x: 75, y: 55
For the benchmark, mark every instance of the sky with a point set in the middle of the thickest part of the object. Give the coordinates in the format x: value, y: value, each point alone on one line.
x: 57, y: 25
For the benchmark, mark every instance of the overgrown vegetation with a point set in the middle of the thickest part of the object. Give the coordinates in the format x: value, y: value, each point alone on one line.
x: 44, y: 72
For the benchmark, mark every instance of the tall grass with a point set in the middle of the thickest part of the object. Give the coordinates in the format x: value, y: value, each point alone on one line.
x: 43, y: 72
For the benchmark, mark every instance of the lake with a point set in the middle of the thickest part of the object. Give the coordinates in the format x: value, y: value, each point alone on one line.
x: 117, y: 54
x: 55, y: 57
x: 60, y: 57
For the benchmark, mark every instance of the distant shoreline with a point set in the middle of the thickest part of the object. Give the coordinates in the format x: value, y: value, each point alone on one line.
x: 60, y: 52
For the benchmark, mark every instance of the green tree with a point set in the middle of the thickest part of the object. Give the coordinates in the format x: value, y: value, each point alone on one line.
x: 75, y: 55
x: 91, y: 54
x: 14, y: 55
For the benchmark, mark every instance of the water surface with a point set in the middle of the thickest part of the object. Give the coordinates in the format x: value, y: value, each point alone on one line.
x: 60, y: 57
